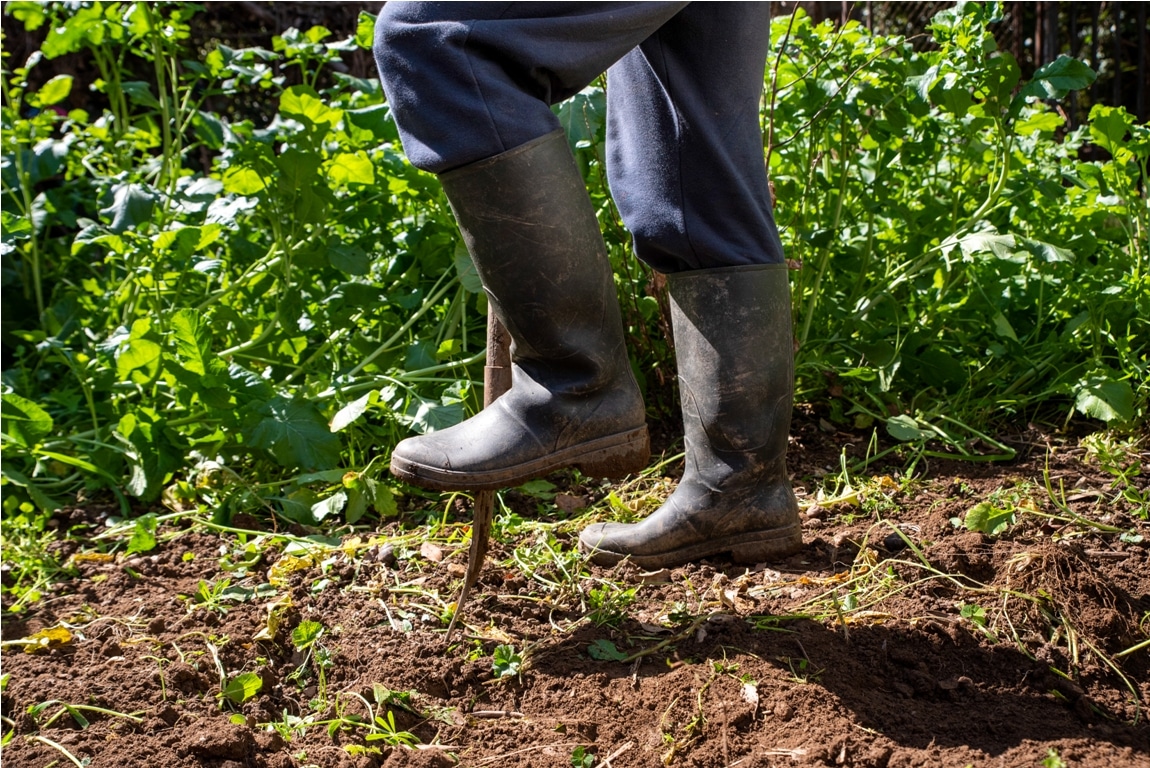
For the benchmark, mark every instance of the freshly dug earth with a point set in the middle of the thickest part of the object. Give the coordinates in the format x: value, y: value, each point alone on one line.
x: 936, y: 647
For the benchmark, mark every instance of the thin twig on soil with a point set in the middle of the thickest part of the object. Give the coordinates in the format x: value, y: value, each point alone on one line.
x: 606, y: 763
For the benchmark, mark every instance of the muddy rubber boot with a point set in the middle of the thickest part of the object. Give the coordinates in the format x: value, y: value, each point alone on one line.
x: 532, y: 233
x: 732, y: 330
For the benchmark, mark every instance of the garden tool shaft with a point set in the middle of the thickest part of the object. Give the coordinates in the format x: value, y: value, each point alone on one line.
x: 496, y: 381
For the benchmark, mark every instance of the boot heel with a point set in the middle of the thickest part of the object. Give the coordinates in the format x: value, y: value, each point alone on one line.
x: 618, y: 460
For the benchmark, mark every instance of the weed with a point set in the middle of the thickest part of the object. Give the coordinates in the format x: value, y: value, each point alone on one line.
x: 582, y: 757
x: 609, y: 603
x: 385, y: 730
x: 317, y: 658
x: 76, y: 712
x: 506, y: 662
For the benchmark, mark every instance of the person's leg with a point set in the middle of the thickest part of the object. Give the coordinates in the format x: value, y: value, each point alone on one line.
x: 685, y: 147
x: 686, y: 170
x: 467, y: 81
x: 470, y: 85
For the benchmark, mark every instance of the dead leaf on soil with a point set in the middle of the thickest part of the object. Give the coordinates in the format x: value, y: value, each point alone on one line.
x: 289, y: 564
x: 276, y: 611
x: 52, y: 637
x: 431, y: 552
x: 91, y: 557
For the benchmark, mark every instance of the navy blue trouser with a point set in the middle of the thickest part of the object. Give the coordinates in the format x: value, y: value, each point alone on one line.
x: 467, y: 81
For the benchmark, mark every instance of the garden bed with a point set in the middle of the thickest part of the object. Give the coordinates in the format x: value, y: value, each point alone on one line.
x: 942, y: 646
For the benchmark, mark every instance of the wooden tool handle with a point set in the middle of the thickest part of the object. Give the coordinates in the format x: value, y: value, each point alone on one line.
x: 496, y: 381
x: 497, y: 371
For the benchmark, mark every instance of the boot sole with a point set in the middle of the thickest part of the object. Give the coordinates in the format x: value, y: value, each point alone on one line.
x: 747, y: 548
x: 613, y: 456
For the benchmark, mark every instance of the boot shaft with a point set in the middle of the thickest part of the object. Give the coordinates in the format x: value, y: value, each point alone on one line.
x: 733, y: 344
x: 529, y: 225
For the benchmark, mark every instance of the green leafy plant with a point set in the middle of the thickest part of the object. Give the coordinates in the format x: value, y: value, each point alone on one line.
x: 239, y: 309
x: 242, y: 687
x: 609, y: 603
x: 605, y: 650
x: 582, y: 757
x: 386, y: 731
x: 988, y: 518
x: 506, y: 662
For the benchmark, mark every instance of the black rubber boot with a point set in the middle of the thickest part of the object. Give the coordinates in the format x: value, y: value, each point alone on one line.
x: 732, y: 330
x: 529, y: 225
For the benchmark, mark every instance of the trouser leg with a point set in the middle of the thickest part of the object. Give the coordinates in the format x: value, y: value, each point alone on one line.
x: 467, y: 81
x: 685, y: 150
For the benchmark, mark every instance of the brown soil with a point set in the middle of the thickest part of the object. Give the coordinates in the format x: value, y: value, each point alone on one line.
x: 732, y: 678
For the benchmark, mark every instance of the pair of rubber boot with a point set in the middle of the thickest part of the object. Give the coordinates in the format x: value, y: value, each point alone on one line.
x: 532, y: 233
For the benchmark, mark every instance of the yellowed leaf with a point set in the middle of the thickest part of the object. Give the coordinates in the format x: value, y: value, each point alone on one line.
x: 92, y: 557
x: 52, y: 637
x: 276, y: 611
x: 287, y: 565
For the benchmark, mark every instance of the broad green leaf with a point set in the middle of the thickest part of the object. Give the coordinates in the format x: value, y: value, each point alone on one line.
x: 29, y: 12
x: 905, y: 429
x: 210, y: 129
x: 326, y: 476
x: 295, y: 433
x: 350, y: 259
x: 143, y: 534
x: 988, y: 519
x: 430, y: 415
x: 952, y: 93
x: 1043, y: 122
x: 582, y: 116
x: 605, y: 650
x: 242, y: 180
x: 1047, y: 251
x: 356, y: 506
x: 1001, y: 246
x: 375, y: 122
x: 131, y: 206
x: 53, y: 92
x: 1058, y: 78
x: 243, y: 687
x: 365, y: 30
x: 42, y: 500
x: 182, y: 240
x: 1109, y: 126
x: 140, y: 94
x: 299, y: 169
x: 192, y: 339
x: 329, y: 507
x: 465, y: 269
x: 351, y: 412
x: 449, y: 349
x: 303, y: 101
x: 305, y: 634
x: 1003, y: 327
x: 24, y: 421
x: 385, y: 503
x: 136, y: 354
x: 351, y: 168
x: 1104, y: 398
x: 505, y: 662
